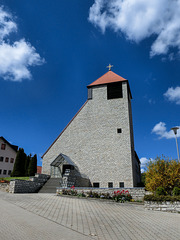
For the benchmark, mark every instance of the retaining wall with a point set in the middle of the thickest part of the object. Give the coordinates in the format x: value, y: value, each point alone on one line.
x: 163, y: 206
x: 4, y: 187
x: 31, y: 186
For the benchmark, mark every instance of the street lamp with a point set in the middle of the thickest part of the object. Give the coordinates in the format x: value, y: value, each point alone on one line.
x: 175, y: 132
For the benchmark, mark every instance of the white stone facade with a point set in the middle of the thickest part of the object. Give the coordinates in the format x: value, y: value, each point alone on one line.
x: 92, y: 142
x: 7, y: 157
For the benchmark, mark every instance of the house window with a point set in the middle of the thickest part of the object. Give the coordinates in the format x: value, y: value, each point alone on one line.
x: 12, y: 160
x: 1, y: 159
x: 3, y: 146
x: 121, y: 184
x: 4, y: 172
x: 114, y: 90
x: 119, y: 130
x: 9, y: 172
x: 6, y: 159
x: 0, y: 171
x: 96, y: 184
x: 110, y: 184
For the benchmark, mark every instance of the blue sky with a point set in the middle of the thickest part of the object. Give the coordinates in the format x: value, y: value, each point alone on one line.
x: 51, y: 50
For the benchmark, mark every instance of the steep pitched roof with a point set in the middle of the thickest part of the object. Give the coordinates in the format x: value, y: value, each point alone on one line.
x: 109, y: 77
x: 64, y: 129
x: 14, y: 147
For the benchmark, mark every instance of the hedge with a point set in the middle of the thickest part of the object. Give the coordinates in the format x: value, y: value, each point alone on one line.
x: 161, y: 198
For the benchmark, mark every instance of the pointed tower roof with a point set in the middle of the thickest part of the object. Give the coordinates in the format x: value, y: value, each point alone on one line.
x: 109, y: 77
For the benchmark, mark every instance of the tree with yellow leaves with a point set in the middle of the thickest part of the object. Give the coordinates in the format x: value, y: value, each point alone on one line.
x: 162, y: 172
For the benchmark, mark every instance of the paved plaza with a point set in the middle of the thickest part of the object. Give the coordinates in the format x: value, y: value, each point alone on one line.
x: 47, y: 216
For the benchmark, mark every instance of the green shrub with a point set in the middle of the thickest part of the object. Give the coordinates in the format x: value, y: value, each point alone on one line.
x: 82, y: 194
x: 161, y: 198
x: 160, y: 191
x: 176, y: 191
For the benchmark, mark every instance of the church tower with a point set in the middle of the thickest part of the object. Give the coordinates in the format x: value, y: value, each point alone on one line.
x: 99, y: 139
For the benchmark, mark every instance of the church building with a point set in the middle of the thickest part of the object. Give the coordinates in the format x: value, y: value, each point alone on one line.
x: 96, y: 148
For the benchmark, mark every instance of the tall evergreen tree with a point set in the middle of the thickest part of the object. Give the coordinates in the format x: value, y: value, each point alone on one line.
x: 32, y: 166
x: 19, y: 165
x: 28, y: 159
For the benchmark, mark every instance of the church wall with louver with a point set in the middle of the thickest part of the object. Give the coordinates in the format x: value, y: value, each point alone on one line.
x: 99, y: 139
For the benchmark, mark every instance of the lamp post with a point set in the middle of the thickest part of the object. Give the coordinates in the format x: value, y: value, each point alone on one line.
x: 175, y: 132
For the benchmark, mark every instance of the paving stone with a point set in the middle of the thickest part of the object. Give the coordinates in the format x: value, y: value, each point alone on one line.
x: 98, y: 219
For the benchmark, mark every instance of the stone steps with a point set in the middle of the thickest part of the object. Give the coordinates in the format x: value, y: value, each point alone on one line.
x: 50, y: 186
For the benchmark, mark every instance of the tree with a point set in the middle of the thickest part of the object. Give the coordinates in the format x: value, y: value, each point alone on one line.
x: 162, y: 173
x: 143, y: 176
x: 19, y: 165
x: 28, y: 158
x: 32, y: 169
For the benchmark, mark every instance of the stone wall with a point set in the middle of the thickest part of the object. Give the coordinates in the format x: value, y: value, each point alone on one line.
x: 4, y: 187
x: 136, y: 193
x: 31, y: 186
x: 93, y: 144
x: 164, y: 206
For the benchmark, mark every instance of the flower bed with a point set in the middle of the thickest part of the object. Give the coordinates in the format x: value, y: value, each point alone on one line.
x: 118, y: 196
x: 4, y: 181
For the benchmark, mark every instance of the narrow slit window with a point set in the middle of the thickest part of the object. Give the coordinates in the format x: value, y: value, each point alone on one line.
x: 119, y: 130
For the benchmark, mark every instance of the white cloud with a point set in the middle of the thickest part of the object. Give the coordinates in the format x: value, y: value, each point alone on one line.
x: 173, y: 95
x: 161, y: 130
x: 144, y: 161
x: 6, y: 24
x: 140, y: 19
x: 15, y: 58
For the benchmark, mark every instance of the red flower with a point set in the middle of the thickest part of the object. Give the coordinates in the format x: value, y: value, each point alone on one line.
x: 73, y: 187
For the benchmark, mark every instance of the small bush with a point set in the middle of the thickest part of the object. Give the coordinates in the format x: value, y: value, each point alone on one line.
x: 66, y: 192
x: 176, y: 191
x: 82, y: 194
x: 160, y: 191
x: 95, y: 195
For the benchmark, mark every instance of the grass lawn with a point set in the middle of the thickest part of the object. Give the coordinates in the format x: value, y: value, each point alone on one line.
x: 10, y: 178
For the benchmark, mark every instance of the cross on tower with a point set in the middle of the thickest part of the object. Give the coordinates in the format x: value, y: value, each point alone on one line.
x: 109, y: 66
